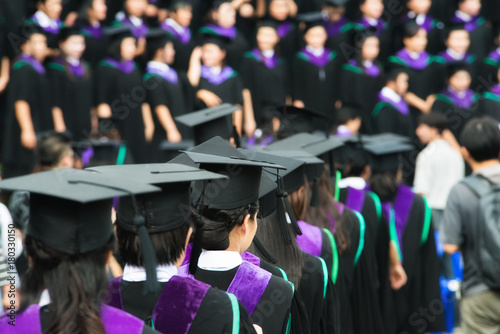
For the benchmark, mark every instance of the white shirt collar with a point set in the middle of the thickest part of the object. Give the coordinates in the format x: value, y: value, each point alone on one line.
x: 44, y: 20
x: 390, y: 94
x: 268, y: 53
x: 73, y: 61
x: 219, y: 260
x: 136, y: 21
x: 44, y: 298
x: 215, y: 70
x: 158, y: 65
x: 353, y: 182
x: 371, y: 21
x: 138, y: 274
x: 413, y: 55
x: 367, y: 63
x: 317, y: 52
x: 463, y: 16
x: 455, y: 55
x: 177, y: 27
x: 460, y: 94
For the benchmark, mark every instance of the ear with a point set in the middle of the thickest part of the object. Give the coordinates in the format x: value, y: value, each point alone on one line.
x: 465, y: 153
x: 188, y: 237
x: 108, y: 259
x: 300, y: 191
x: 244, y: 228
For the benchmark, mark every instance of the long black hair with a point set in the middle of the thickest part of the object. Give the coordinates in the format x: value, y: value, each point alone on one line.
x: 76, y: 284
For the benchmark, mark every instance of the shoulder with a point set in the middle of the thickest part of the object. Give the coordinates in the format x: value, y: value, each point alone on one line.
x: 116, y: 321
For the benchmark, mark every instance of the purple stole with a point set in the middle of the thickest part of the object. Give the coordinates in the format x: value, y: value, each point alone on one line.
x: 139, y: 31
x: 495, y: 55
x: 114, y: 320
x: 320, y: 61
x: 217, y: 79
x: 34, y: 63
x: 373, y: 71
x: 311, y: 240
x: 251, y: 258
x: 284, y: 28
x: 269, y: 62
x: 340, y: 207
x: 427, y: 25
x: 400, y: 106
x: 495, y: 89
x: 401, y: 207
x: 49, y: 29
x: 380, y: 27
x: 126, y: 67
x: 91, y: 31
x: 167, y: 315
x: 77, y: 71
x: 170, y: 75
x: 449, y: 59
x: 355, y: 199
x: 471, y: 25
x: 184, y: 37
x: 335, y: 28
x: 463, y: 102
x: 419, y: 64
x: 220, y: 31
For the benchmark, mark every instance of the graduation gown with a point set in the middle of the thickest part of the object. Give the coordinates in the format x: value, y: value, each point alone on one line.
x: 237, y: 46
x: 72, y: 93
x: 489, y: 103
x: 51, y: 32
x: 289, y: 39
x: 340, y: 38
x: 139, y: 31
x: 410, y: 226
x: 471, y: 63
x: 381, y: 30
x: 488, y: 69
x: 425, y: 72
x: 96, y: 44
x: 172, y: 89
x: 360, y: 85
x: 206, y: 310
x: 314, y: 81
x: 183, y: 44
x: 433, y: 27
x: 268, y: 81
x: 115, y: 321
x: 227, y: 85
x: 29, y: 83
x: 120, y: 85
x: 481, y: 37
x: 458, y: 110
x: 391, y: 116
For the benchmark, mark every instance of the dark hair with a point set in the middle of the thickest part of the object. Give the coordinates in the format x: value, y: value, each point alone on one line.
x: 361, y: 38
x: 290, y: 257
x: 83, y: 15
x: 51, y: 149
x: 75, y: 284
x: 481, y: 137
x: 319, y: 215
x: 356, y: 163
x: 219, y: 223
x: 433, y: 120
x: 299, y: 203
x: 385, y: 186
x: 410, y: 29
x: 393, y: 74
x: 168, y: 246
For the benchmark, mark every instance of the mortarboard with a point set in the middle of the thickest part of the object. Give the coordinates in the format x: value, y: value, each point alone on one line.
x: 313, y: 19
x: 268, y: 24
x: 336, y: 3
x: 175, y: 5
x: 171, y: 150
x: 385, y: 156
x: 67, y: 32
x: 295, y: 120
x: 118, y: 33
x: 456, y: 66
x: 210, y: 122
x: 156, y: 39
x: 211, y: 38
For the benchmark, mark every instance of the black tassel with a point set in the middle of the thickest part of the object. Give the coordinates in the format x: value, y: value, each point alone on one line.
x: 285, y: 231
x: 293, y: 219
x: 314, y: 195
x: 148, y: 256
x: 265, y: 254
x: 196, y: 250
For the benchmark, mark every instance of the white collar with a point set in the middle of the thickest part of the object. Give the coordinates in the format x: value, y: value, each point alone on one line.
x: 317, y: 52
x: 420, y: 19
x: 136, y: 21
x: 390, y: 94
x: 455, y: 55
x: 413, y: 55
x: 44, y: 298
x: 460, y: 94
x: 215, y: 70
x: 44, y: 20
x: 463, y: 16
x: 219, y: 260
x: 177, y: 27
x: 158, y: 65
x: 353, y: 182
x: 138, y: 274
x: 371, y: 21
x: 73, y: 61
x: 268, y: 53
x: 367, y: 63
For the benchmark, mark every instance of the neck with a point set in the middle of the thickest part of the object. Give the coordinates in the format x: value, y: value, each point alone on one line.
x: 476, y: 166
x: 93, y: 20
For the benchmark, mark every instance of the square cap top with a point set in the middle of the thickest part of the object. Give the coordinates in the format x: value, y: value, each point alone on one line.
x: 312, y: 144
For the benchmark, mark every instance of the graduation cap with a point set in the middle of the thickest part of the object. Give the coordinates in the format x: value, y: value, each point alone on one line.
x: 268, y: 24
x: 310, y: 143
x: 28, y: 29
x: 313, y: 19
x: 175, y: 5
x: 218, y: 156
x: 456, y: 66
x: 156, y: 39
x: 210, y: 122
x: 171, y: 150
x: 70, y: 209
x: 295, y: 120
x: 67, y: 32
x: 118, y: 33
x: 385, y: 156
x: 217, y: 3
x: 288, y: 181
x: 454, y: 26
x: 210, y: 38
x: 335, y: 3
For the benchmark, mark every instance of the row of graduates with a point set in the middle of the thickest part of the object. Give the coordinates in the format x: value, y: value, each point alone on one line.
x: 271, y: 232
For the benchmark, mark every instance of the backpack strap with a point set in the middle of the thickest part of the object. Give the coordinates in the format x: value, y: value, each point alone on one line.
x: 476, y: 184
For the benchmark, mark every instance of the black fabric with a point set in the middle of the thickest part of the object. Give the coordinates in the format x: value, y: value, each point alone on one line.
x: 456, y: 117
x: 230, y: 91
x: 389, y: 119
x: 488, y: 107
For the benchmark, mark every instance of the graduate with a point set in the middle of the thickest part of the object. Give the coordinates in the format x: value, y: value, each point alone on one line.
x: 347, y: 122
x: 229, y: 212
x: 392, y: 113
x: 480, y: 34
x: 266, y: 79
x: 92, y: 14
x: 120, y: 95
x: 489, y: 104
x: 458, y: 102
x: 316, y: 71
x: 168, y: 222
x: 47, y: 17
x: 222, y: 23
x: 409, y: 219
x: 418, y: 11
x: 172, y: 94
x: 424, y: 70
x: 307, y: 272
x: 362, y: 78
x: 70, y: 241
x: 177, y: 25
x: 132, y: 16
x: 281, y: 13
x: 28, y: 105
x: 72, y: 90
x: 488, y: 67
x: 338, y: 28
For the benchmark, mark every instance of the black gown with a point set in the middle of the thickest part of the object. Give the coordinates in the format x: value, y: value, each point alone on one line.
x: 481, y: 37
x: 72, y: 93
x: 121, y: 87
x: 489, y: 103
x: 214, y: 315
x: 360, y: 86
x: 96, y: 43
x: 388, y: 116
x: 176, y: 93
x: 289, y: 39
x: 269, y: 83
x: 417, y: 305
x: 340, y: 38
x: 488, y: 70
x: 227, y: 85
x: 183, y: 45
x: 315, y: 80
x: 28, y: 82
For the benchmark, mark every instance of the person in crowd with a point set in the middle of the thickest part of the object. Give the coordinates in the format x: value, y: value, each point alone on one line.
x: 90, y: 21
x: 133, y: 16
x: 47, y: 18
x: 338, y: 28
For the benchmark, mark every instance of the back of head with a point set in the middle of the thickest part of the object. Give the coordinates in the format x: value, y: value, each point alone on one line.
x: 433, y: 120
x: 481, y: 138
x: 52, y: 149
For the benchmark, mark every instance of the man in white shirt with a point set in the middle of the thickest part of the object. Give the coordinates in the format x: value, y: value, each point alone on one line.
x: 439, y: 167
